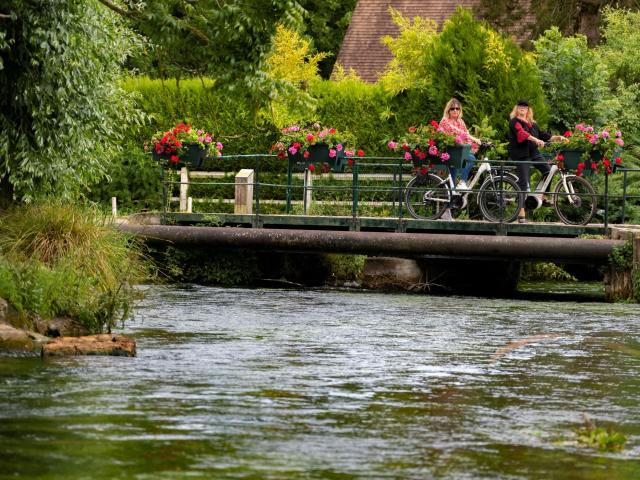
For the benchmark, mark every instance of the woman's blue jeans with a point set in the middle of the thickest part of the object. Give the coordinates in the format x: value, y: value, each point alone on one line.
x: 465, y: 171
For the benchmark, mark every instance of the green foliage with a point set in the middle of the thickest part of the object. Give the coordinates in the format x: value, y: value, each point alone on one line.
x: 603, y: 439
x: 621, y: 258
x: 202, y: 266
x: 326, y: 21
x: 470, y: 61
x: 409, y: 68
x: 573, y: 78
x: 291, y: 61
x: 346, y: 268
x: 58, y: 259
x: 619, y: 51
x: 545, y: 271
x: 62, y: 113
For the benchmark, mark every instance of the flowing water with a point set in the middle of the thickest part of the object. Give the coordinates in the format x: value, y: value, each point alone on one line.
x: 278, y: 384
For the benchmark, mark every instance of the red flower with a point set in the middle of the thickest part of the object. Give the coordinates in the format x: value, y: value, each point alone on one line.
x: 422, y: 156
x: 568, y: 133
x: 435, y: 124
x: 281, y: 155
x: 618, y: 159
x: 423, y: 171
x: 306, y: 154
x: 350, y: 162
x: 312, y: 167
x: 560, y: 157
x: 175, y: 158
x: 412, y: 129
x: 416, y: 151
x: 406, y: 147
x: 360, y: 153
x: 431, y: 142
x: 332, y: 130
x: 594, y: 165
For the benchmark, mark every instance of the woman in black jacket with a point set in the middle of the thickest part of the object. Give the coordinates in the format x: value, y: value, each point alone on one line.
x: 524, y: 139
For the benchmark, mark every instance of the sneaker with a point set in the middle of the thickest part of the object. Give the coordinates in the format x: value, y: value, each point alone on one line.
x: 446, y: 215
x: 462, y: 185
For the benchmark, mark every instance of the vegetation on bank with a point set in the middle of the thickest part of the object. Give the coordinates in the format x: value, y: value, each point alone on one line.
x: 60, y: 259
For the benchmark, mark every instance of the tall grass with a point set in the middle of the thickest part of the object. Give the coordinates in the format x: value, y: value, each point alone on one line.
x: 63, y: 259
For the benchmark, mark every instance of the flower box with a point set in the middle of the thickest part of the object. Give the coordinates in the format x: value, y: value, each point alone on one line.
x: 571, y: 159
x: 318, y: 155
x: 193, y: 157
x: 457, y: 157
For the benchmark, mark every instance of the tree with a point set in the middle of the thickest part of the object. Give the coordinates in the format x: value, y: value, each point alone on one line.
x: 223, y: 39
x: 573, y: 77
x: 61, y: 109
x: 326, y: 22
x: 570, y: 16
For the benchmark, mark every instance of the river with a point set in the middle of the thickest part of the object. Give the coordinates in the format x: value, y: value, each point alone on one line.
x: 333, y: 384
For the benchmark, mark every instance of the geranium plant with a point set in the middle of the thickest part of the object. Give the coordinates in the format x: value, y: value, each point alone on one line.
x: 600, y: 148
x: 174, y: 144
x: 298, y: 143
x: 425, y: 143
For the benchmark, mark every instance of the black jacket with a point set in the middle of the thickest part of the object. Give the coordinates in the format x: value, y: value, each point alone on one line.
x: 520, y: 147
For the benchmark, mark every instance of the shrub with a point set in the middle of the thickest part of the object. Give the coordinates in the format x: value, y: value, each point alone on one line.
x: 58, y: 259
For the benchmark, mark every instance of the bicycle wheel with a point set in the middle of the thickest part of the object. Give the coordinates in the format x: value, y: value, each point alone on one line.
x: 427, y: 196
x: 499, y: 199
x: 574, y: 200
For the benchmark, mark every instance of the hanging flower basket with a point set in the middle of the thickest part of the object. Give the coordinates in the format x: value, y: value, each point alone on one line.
x: 575, y: 160
x: 318, y: 155
x: 192, y: 157
x: 455, y: 157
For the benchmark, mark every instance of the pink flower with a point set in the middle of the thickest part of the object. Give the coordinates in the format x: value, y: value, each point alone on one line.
x: 604, y: 134
x: 392, y: 145
x: 339, y: 147
x: 433, y: 150
x: 349, y: 153
x: 618, y: 134
x: 219, y: 146
x: 293, y: 150
x: 310, y: 137
x: 459, y: 139
x: 201, y: 139
x: 594, y: 139
x: 332, y: 153
x: 407, y: 156
x: 444, y: 156
x: 619, y: 141
x: 207, y: 138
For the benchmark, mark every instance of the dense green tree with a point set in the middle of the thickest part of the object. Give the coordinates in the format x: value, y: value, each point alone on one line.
x: 574, y: 78
x: 468, y: 60
x: 61, y: 109
x: 223, y: 39
x: 326, y: 22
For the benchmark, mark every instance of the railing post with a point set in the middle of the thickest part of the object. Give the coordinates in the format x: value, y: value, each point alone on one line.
x: 244, y: 192
x: 184, y: 188
x: 114, y: 207
x: 289, y: 179
x: 164, y: 198
x: 354, y: 207
x: 624, y: 193
x: 308, y: 190
x: 606, y: 199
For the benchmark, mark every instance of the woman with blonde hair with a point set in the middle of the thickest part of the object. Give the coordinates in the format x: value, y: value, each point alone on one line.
x: 524, y: 139
x: 453, y: 124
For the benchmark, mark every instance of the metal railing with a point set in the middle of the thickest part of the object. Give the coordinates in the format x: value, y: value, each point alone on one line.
x: 387, y: 196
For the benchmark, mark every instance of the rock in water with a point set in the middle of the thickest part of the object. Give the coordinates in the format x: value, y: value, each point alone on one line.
x: 104, y: 344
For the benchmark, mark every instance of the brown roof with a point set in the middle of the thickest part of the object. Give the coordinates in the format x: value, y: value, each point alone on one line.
x: 361, y: 48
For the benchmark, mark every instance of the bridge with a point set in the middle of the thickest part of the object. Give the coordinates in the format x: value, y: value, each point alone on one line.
x: 252, y: 226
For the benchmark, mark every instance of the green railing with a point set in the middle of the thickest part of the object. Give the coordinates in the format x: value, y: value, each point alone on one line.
x: 375, y: 186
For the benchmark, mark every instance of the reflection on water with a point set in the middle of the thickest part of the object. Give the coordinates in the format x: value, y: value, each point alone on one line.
x: 266, y: 384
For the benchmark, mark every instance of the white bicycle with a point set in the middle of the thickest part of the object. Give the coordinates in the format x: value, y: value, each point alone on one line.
x: 428, y: 196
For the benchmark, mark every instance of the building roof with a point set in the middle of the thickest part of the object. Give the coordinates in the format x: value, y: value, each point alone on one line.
x: 362, y: 49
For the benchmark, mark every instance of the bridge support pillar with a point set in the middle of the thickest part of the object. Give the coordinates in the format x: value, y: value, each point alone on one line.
x: 471, y: 277
x: 622, y: 278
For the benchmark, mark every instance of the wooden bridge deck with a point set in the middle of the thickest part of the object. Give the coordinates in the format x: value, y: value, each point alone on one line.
x: 386, y: 224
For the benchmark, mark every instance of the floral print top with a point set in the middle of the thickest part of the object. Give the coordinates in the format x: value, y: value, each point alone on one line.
x: 458, y: 129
